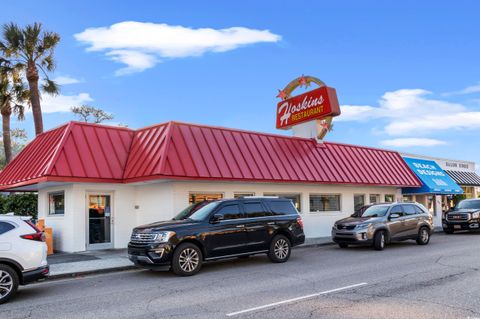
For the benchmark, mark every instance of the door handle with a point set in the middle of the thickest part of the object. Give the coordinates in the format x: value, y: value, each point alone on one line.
x: 240, y: 226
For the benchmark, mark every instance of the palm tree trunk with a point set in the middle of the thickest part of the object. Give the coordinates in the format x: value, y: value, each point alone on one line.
x: 32, y: 78
x: 7, y: 140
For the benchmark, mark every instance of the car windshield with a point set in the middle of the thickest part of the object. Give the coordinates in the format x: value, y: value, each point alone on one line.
x: 468, y: 204
x: 376, y: 211
x: 187, y: 212
x: 203, y: 212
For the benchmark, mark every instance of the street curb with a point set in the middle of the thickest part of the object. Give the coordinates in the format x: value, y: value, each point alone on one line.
x: 312, y: 245
x: 90, y: 272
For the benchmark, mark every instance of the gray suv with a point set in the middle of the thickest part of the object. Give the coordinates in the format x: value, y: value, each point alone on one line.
x: 382, y: 223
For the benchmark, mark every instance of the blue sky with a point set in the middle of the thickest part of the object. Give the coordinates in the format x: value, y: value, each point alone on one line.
x: 407, y: 74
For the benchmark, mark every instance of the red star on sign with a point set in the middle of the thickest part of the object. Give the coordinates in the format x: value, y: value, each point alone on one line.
x: 325, y: 126
x: 281, y: 94
x: 302, y: 81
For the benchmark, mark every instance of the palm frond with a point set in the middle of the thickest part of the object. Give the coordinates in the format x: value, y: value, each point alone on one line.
x: 31, y: 35
x: 19, y: 111
x: 50, y: 87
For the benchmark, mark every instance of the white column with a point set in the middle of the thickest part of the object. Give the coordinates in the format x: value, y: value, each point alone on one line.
x: 437, y: 207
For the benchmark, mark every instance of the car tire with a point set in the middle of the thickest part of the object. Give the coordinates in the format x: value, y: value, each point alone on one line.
x: 448, y: 231
x: 379, y: 240
x: 423, y: 237
x: 8, y: 283
x: 343, y: 245
x: 280, y: 249
x: 187, y: 259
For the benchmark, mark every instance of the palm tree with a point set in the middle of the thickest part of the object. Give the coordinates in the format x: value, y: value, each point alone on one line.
x: 12, y: 96
x: 33, y: 48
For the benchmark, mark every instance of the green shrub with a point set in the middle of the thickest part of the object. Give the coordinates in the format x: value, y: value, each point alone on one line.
x: 23, y: 204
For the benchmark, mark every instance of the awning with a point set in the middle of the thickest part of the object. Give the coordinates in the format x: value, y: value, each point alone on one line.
x: 434, y: 179
x: 464, y: 178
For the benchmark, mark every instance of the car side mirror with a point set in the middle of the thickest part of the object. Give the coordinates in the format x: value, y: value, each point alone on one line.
x: 216, y: 218
x: 394, y: 216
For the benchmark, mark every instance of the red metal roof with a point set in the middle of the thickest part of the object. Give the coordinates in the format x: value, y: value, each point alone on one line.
x: 173, y: 150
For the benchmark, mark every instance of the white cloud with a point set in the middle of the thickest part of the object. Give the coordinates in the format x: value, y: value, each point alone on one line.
x: 141, y: 45
x: 63, y: 103
x: 412, y: 112
x: 408, y: 142
x: 65, y: 80
x: 468, y: 90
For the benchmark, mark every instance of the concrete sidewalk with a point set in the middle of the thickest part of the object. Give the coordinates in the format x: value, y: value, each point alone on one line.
x: 64, y: 265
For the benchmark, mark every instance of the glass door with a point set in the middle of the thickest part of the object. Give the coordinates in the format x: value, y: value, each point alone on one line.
x: 99, y: 213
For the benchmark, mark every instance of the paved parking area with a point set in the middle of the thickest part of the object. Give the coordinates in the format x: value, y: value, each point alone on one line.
x: 440, y: 280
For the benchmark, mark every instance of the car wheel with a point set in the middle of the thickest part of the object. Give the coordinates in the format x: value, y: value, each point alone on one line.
x: 8, y: 283
x: 187, y: 260
x: 423, y: 236
x: 343, y: 245
x: 280, y: 249
x: 448, y: 231
x: 379, y: 240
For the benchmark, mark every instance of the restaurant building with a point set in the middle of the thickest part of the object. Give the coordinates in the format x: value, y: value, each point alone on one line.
x: 96, y: 182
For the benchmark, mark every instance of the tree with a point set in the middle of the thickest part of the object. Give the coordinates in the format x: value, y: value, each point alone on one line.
x: 34, y: 49
x: 13, y: 95
x: 87, y: 113
x: 18, y: 140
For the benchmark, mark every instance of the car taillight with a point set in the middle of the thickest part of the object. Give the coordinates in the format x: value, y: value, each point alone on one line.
x: 300, y: 222
x: 37, y: 236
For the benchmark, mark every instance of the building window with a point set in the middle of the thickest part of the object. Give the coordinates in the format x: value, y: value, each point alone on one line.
x: 56, y: 203
x: 296, y: 198
x: 408, y: 198
x: 243, y: 194
x: 324, y: 203
x: 374, y: 198
x: 358, y: 201
x: 389, y: 198
x: 200, y: 197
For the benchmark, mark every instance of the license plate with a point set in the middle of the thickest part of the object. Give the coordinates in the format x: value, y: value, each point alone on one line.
x: 457, y: 227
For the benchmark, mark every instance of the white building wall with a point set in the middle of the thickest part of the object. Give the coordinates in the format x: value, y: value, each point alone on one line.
x: 317, y: 224
x: 138, y: 204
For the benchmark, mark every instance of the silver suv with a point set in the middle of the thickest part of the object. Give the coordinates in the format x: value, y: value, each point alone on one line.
x: 382, y: 223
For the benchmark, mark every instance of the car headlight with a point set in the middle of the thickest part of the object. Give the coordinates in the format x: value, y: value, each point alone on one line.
x: 164, y: 236
x: 476, y: 215
x: 362, y: 226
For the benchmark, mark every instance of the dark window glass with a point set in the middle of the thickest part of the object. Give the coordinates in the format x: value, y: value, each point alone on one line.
x: 468, y: 204
x: 397, y: 209
x: 409, y: 209
x: 56, y: 203
x: 418, y: 210
x: 325, y: 203
x: 254, y: 210
x: 230, y: 212
x: 282, y: 207
x: 4, y: 227
x: 358, y: 202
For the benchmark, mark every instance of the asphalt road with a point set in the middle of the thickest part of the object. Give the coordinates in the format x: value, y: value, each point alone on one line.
x: 440, y: 280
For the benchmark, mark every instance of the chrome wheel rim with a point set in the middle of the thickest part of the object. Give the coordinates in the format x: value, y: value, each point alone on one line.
x: 382, y: 240
x: 189, y: 259
x: 6, y: 283
x: 281, y: 249
x: 424, y: 235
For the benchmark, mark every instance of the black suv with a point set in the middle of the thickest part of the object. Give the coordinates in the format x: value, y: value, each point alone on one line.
x: 464, y: 216
x: 218, y: 229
